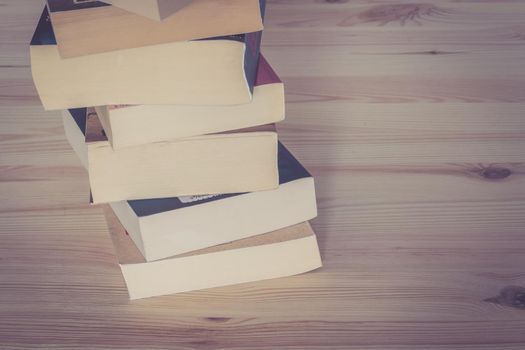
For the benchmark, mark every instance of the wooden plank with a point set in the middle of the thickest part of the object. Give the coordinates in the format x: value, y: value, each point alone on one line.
x: 410, y: 116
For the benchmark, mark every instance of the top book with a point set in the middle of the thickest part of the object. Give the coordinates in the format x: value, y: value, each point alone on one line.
x: 154, y: 9
x: 90, y: 27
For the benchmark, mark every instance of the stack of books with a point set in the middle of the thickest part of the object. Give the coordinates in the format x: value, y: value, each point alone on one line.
x: 171, y: 109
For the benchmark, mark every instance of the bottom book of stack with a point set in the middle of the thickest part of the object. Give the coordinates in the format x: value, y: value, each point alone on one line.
x: 285, y: 252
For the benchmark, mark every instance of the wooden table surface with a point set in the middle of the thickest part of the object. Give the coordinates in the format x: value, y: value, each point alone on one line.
x: 412, y: 118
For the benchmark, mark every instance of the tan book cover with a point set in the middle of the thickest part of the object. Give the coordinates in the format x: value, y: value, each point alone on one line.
x: 154, y: 9
x: 85, y: 28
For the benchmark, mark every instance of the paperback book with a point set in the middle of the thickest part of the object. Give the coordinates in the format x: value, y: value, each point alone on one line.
x: 240, y: 161
x: 178, y: 72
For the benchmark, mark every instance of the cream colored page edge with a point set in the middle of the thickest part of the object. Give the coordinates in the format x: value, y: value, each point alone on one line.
x: 122, y: 121
x: 222, y: 268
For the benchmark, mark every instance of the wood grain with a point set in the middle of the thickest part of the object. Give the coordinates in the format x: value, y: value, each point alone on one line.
x: 411, y: 117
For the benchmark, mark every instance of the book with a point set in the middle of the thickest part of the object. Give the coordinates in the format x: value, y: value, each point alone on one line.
x: 240, y: 161
x: 289, y: 251
x: 130, y: 125
x: 169, y: 226
x: 154, y: 9
x: 173, y: 73
x: 90, y: 27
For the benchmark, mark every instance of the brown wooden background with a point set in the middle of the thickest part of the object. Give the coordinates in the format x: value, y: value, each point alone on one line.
x: 412, y: 117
